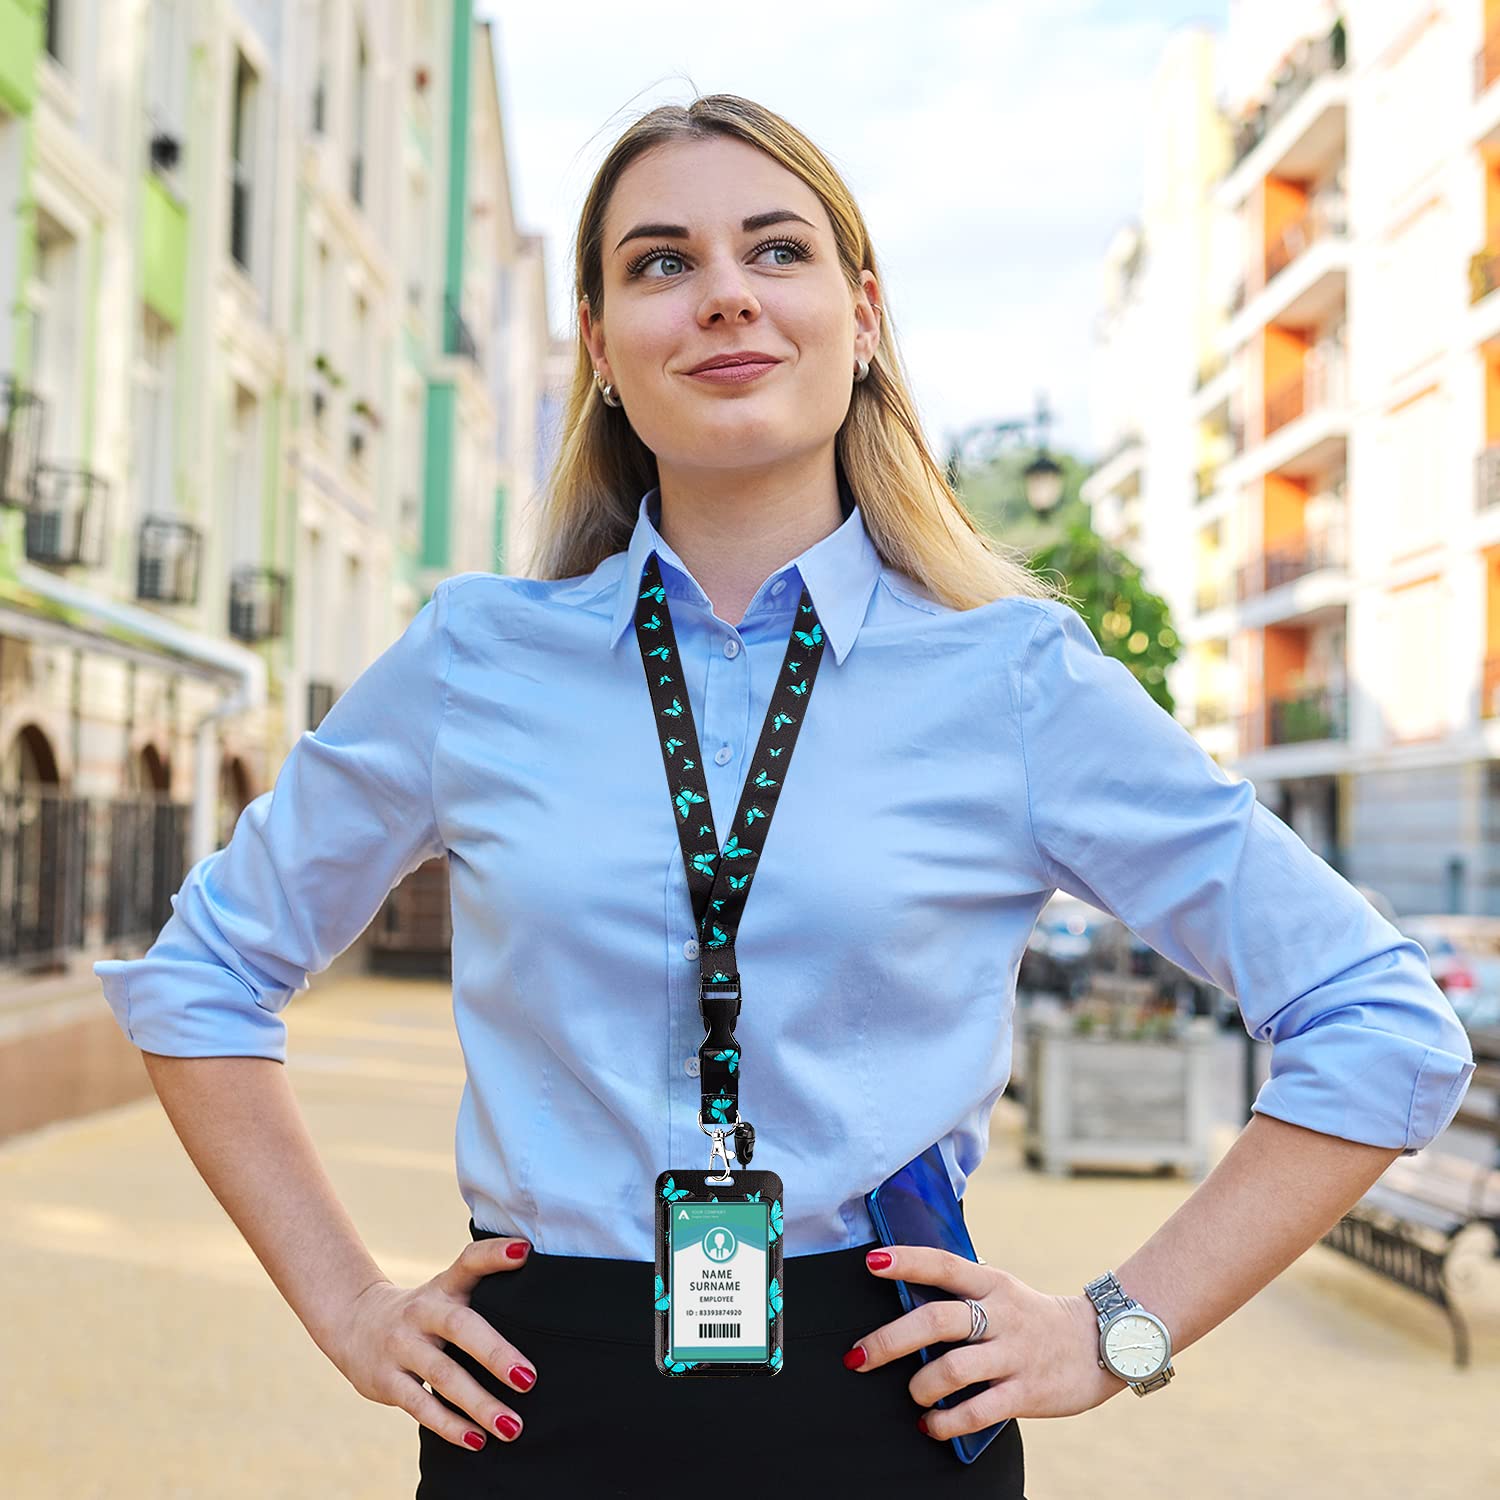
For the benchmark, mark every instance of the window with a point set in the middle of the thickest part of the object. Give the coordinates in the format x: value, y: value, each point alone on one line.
x: 54, y: 300
x: 320, y: 77
x: 361, y: 86
x: 154, y: 389
x: 55, y: 30
x: 241, y: 164
x: 165, y: 77
x: 244, y: 457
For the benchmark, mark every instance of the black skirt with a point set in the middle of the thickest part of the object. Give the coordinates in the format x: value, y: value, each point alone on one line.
x: 602, y: 1420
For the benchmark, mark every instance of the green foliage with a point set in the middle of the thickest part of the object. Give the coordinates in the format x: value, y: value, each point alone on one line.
x: 1129, y: 621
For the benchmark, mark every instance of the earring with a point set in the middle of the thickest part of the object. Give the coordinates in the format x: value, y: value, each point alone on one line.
x: 607, y: 391
x: 861, y: 368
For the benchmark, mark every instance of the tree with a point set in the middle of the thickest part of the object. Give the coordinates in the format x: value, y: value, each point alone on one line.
x: 1127, y: 619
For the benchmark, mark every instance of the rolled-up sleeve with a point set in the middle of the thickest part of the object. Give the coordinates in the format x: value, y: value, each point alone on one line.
x: 1129, y: 812
x: 308, y: 865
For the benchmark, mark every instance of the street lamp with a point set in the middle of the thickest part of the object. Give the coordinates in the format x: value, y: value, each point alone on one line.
x: 1043, y: 476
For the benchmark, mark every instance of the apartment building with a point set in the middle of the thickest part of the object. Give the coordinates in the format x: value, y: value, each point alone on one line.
x: 272, y: 365
x: 1343, y: 628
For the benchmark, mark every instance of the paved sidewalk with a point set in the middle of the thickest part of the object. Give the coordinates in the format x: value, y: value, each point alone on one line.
x: 148, y: 1355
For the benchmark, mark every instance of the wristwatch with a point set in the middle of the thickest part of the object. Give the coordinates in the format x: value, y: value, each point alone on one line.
x: 1133, y: 1343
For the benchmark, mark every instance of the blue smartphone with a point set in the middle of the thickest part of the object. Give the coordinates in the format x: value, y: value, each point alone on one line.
x: 917, y: 1206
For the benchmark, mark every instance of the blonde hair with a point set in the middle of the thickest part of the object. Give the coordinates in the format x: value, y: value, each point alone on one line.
x: 590, y: 502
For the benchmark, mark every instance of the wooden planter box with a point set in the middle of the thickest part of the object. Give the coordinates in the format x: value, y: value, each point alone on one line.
x: 1098, y: 1100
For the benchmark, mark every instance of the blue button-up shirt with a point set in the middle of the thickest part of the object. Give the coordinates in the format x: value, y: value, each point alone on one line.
x: 954, y: 768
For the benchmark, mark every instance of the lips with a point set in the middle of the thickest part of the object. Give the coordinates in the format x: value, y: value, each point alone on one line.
x: 724, y: 361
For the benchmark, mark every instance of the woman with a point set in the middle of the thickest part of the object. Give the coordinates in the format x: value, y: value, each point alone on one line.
x: 967, y: 750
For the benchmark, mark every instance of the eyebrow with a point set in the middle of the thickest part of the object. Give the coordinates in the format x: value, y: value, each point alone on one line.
x: 682, y: 232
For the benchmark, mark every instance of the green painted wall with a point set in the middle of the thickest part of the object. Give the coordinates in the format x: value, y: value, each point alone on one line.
x: 458, y: 165
x: 441, y: 412
x: 21, y: 33
x: 437, y: 501
x: 164, y: 250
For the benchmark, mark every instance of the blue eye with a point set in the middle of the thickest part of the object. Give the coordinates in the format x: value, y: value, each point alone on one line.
x: 799, y: 248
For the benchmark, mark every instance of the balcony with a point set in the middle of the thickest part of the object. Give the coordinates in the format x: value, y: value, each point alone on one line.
x: 321, y: 696
x: 1211, y: 594
x: 257, y: 599
x: 1325, y: 217
x: 20, y: 442
x: 1487, y: 477
x: 1489, y: 703
x: 65, y: 520
x: 1277, y: 566
x: 167, y: 561
x: 1300, y: 125
x: 1315, y: 714
x: 1318, y: 384
x: 1487, y: 63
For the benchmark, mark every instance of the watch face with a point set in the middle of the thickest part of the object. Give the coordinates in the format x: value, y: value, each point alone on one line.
x: 1136, y: 1346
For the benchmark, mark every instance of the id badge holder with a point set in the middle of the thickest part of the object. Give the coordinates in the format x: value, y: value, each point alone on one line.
x: 718, y: 1273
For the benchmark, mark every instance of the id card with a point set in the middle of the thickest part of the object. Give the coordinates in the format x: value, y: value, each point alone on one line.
x: 718, y: 1273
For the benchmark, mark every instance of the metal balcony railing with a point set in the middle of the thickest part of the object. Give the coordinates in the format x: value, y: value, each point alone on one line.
x: 65, y: 520
x: 257, y: 600
x: 1487, y: 477
x: 1487, y: 62
x: 168, y: 552
x: 1315, y: 385
x: 20, y: 442
x: 1315, y: 714
x: 1309, y: 553
x: 1323, y: 218
x: 1310, y: 60
x: 1489, y: 699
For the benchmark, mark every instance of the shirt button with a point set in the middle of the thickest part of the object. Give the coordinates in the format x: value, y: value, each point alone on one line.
x: 777, y: 587
x: 690, y: 948
x: 690, y: 1066
x: 731, y: 647
x: 722, y: 754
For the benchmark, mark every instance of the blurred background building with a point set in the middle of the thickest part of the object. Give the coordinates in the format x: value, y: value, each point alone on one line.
x: 1299, y: 402
x: 274, y: 362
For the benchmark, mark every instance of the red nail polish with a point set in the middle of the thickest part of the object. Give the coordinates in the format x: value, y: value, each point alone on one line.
x: 855, y: 1357
x: 922, y: 1424
x: 523, y: 1377
x: 474, y: 1439
x: 520, y: 1248
x: 878, y: 1260
x: 507, y: 1424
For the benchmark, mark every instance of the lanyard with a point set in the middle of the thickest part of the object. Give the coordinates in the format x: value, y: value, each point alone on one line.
x: 719, y: 878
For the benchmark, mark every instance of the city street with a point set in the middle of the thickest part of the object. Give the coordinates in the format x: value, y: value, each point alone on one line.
x: 150, y: 1356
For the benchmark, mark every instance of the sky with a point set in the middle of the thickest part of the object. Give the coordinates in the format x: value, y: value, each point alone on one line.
x: 994, y: 146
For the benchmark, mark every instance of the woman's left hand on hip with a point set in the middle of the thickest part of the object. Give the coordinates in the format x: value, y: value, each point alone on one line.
x: 1040, y: 1352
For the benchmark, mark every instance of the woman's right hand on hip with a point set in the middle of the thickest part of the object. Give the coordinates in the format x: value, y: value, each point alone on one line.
x: 394, y: 1341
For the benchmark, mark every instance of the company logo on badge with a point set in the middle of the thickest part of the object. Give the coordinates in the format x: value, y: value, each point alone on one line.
x: 719, y: 1243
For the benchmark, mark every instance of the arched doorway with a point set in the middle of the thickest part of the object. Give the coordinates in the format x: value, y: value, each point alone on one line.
x: 43, y: 854
x: 234, y: 795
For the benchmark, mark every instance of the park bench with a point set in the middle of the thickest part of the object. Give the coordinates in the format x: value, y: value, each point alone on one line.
x: 1406, y: 1227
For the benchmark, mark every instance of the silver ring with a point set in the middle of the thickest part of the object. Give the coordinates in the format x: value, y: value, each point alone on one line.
x: 979, y: 1321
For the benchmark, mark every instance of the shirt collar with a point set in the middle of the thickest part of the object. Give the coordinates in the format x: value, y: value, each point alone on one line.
x: 840, y: 571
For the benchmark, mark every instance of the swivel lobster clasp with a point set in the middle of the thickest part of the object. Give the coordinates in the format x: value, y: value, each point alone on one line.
x: 716, y: 1152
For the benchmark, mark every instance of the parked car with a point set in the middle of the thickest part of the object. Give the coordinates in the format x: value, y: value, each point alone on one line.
x: 1463, y: 953
x: 1056, y: 960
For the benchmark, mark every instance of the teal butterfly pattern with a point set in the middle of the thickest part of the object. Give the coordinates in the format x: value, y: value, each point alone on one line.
x: 663, y: 1296
x: 671, y: 1192
x: 730, y: 1055
x: 774, y: 1294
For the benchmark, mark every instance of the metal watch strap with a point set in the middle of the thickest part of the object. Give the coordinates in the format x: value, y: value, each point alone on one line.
x: 1110, y: 1299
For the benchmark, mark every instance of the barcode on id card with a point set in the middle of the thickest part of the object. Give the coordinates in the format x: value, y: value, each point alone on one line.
x: 718, y: 1330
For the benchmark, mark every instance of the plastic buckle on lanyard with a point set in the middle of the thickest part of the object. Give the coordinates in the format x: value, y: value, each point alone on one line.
x: 715, y: 995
